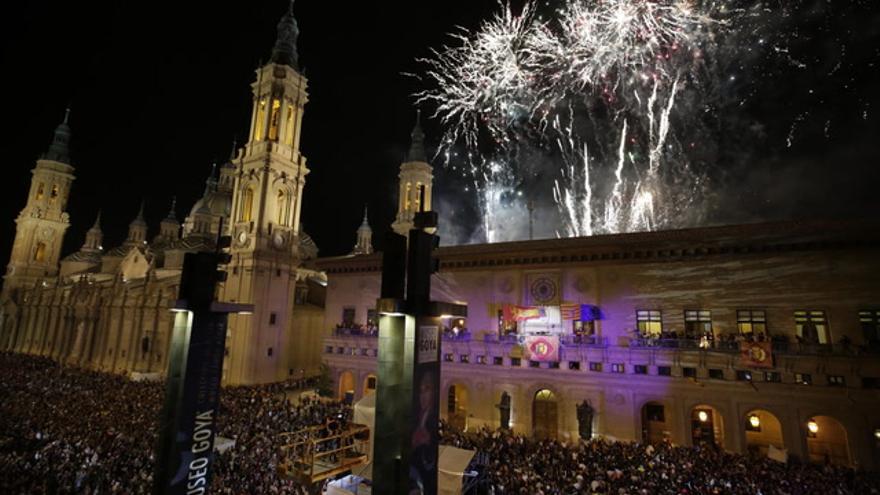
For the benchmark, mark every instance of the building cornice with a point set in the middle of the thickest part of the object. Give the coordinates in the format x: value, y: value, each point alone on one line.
x: 659, y: 246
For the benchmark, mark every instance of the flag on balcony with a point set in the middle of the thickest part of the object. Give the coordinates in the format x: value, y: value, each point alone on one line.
x: 570, y: 311
x: 542, y: 348
x: 756, y: 354
x: 522, y: 313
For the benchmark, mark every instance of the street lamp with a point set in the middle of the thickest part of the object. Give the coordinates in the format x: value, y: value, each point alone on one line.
x: 755, y: 421
x: 813, y: 426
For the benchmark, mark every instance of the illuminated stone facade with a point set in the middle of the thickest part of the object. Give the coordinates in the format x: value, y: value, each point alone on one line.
x: 768, y: 278
x: 110, y: 310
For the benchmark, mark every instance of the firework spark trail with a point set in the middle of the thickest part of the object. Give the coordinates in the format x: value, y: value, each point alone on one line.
x: 613, y: 206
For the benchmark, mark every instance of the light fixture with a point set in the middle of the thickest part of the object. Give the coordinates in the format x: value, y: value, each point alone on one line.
x: 390, y: 313
x: 877, y: 433
x: 755, y: 421
x: 703, y: 416
x: 445, y: 317
x: 813, y: 426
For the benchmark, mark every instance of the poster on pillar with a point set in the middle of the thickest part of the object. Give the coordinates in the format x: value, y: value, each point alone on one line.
x: 542, y: 289
x: 425, y: 438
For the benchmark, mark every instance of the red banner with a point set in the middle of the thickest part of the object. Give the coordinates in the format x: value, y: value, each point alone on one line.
x: 542, y: 348
x: 756, y: 354
x: 521, y: 313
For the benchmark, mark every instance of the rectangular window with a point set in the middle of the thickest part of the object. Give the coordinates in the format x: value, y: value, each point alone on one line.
x: 772, y: 376
x: 697, y: 323
x: 348, y: 317
x: 617, y: 368
x: 584, y: 328
x: 836, y: 381
x: 515, y: 362
x: 553, y: 365
x: 449, y: 357
x: 481, y: 359
x: 803, y: 378
x: 716, y: 374
x: 272, y: 318
x: 751, y: 322
x: 340, y: 350
x: 664, y: 370
x: 574, y: 365
x: 596, y: 366
x: 689, y: 372
x: 498, y: 361
x: 640, y: 369
x: 649, y: 323
x: 744, y: 375
x: 328, y: 349
x: 372, y: 321
x: 534, y: 364
x: 870, y: 322
x: 464, y: 358
x: 870, y: 382
x: 269, y: 352
x: 365, y: 352
x: 811, y: 326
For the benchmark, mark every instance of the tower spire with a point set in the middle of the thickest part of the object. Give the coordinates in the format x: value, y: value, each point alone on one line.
x: 172, y: 214
x: 417, y: 145
x: 59, y: 150
x: 284, y: 52
x: 366, y: 222
x: 97, y: 225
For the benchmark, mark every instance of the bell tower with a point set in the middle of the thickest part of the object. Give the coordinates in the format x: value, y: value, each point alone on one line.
x: 40, y: 227
x: 416, y: 179
x: 268, y: 184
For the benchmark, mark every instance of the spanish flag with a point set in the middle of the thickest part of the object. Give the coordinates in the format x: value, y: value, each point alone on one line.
x: 521, y: 313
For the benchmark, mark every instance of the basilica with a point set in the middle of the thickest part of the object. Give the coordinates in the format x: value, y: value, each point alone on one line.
x: 109, y: 309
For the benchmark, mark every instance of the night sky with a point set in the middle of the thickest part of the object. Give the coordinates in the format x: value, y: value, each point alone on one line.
x: 159, y: 90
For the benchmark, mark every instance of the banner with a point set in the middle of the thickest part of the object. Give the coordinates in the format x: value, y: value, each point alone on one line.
x: 756, y: 354
x: 542, y: 348
x: 522, y: 313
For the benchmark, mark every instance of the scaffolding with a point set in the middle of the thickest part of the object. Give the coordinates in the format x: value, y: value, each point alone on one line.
x: 316, y: 453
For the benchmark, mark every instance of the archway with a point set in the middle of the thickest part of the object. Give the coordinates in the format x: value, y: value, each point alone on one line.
x: 827, y: 441
x: 370, y: 383
x: 654, y: 427
x: 544, y: 415
x: 346, y: 386
x: 456, y: 406
x: 763, y: 429
x: 707, y: 426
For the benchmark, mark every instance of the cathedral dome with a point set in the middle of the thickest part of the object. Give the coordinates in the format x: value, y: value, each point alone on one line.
x: 215, y: 202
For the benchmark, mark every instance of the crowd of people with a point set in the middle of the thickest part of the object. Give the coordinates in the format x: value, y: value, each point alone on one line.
x: 72, y: 431
x: 519, y: 465
x: 66, y: 430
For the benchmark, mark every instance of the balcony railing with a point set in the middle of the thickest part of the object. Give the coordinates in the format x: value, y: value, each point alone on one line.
x: 356, y: 332
x: 691, y: 344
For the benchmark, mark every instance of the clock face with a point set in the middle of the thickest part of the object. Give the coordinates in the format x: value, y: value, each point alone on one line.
x: 278, y: 240
x: 242, y: 237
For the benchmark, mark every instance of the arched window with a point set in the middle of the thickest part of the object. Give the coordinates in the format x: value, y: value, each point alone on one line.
x: 40, y: 191
x: 406, y: 200
x: 275, y: 120
x: 261, y: 119
x: 288, y: 127
x: 281, y: 208
x: 54, y: 195
x: 40, y: 252
x: 247, y: 205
